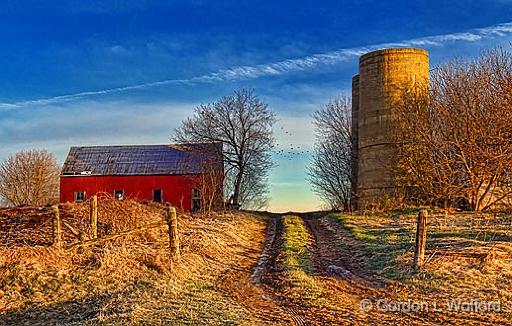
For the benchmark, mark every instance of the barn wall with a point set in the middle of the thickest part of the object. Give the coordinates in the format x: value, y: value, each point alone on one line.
x: 177, y: 189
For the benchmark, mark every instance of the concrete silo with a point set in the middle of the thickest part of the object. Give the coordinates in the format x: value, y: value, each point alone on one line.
x: 355, y: 135
x: 383, y: 76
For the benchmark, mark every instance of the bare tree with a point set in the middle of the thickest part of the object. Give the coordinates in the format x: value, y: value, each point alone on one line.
x: 330, y: 171
x: 243, y: 124
x: 455, y: 140
x: 209, y: 185
x: 30, y: 178
x: 210, y: 181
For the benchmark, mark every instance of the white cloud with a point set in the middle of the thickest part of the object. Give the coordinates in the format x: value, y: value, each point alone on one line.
x: 120, y: 50
x: 285, y: 66
x: 70, y: 125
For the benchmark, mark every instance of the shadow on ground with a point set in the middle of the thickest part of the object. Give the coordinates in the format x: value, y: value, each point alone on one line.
x: 80, y: 311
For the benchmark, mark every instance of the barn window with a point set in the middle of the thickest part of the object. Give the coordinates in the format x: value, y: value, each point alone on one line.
x: 196, y: 199
x: 119, y: 194
x: 157, y: 195
x: 80, y: 196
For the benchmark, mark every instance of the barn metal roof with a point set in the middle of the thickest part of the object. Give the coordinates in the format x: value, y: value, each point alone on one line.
x: 143, y: 159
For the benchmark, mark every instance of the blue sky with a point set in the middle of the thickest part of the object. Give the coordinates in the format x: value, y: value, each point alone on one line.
x: 123, y: 72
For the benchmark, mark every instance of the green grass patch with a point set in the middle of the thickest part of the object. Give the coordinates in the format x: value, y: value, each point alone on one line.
x: 297, y: 259
x: 357, y: 232
x: 466, y: 252
x: 382, y: 245
x: 296, y: 242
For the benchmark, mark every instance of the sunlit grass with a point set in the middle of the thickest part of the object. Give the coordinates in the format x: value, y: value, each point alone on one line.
x: 384, y: 244
x: 297, y: 259
x: 132, y: 280
x: 466, y: 253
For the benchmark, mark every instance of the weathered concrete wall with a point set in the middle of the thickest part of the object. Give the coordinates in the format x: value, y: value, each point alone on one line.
x: 355, y: 135
x: 383, y: 76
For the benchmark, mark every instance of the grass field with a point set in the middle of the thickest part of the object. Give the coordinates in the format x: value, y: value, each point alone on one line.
x: 467, y: 254
x: 132, y: 280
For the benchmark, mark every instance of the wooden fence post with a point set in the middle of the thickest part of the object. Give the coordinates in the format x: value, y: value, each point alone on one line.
x: 172, y: 222
x: 57, y: 237
x: 421, y: 239
x: 93, y: 214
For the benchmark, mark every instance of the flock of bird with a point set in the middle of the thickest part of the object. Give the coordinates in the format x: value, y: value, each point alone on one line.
x: 289, y: 152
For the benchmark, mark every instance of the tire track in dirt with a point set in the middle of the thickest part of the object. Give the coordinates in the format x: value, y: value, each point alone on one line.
x: 329, y: 260
x: 266, y: 275
x: 344, y: 266
x: 238, y: 282
x: 267, y: 254
x: 342, y: 274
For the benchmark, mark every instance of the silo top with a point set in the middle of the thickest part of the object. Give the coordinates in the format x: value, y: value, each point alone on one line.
x: 393, y: 51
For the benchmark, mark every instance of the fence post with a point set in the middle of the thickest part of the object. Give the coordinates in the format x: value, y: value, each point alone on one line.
x: 421, y: 239
x: 93, y: 214
x: 172, y: 222
x: 57, y: 237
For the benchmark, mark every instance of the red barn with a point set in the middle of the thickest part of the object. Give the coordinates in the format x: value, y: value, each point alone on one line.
x: 182, y: 175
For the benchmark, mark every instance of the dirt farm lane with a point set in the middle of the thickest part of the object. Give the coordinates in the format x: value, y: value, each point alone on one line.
x: 337, y: 285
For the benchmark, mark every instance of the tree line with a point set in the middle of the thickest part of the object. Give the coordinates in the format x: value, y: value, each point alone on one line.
x: 455, y: 139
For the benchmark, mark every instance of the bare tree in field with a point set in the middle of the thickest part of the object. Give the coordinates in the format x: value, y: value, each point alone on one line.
x: 455, y: 140
x: 330, y: 171
x: 243, y: 124
x: 30, y: 178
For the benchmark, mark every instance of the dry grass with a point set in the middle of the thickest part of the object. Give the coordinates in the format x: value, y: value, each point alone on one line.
x: 468, y: 255
x: 130, y: 280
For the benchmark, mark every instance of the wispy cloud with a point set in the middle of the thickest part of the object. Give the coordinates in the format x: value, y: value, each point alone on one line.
x: 62, y: 126
x: 285, y: 66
